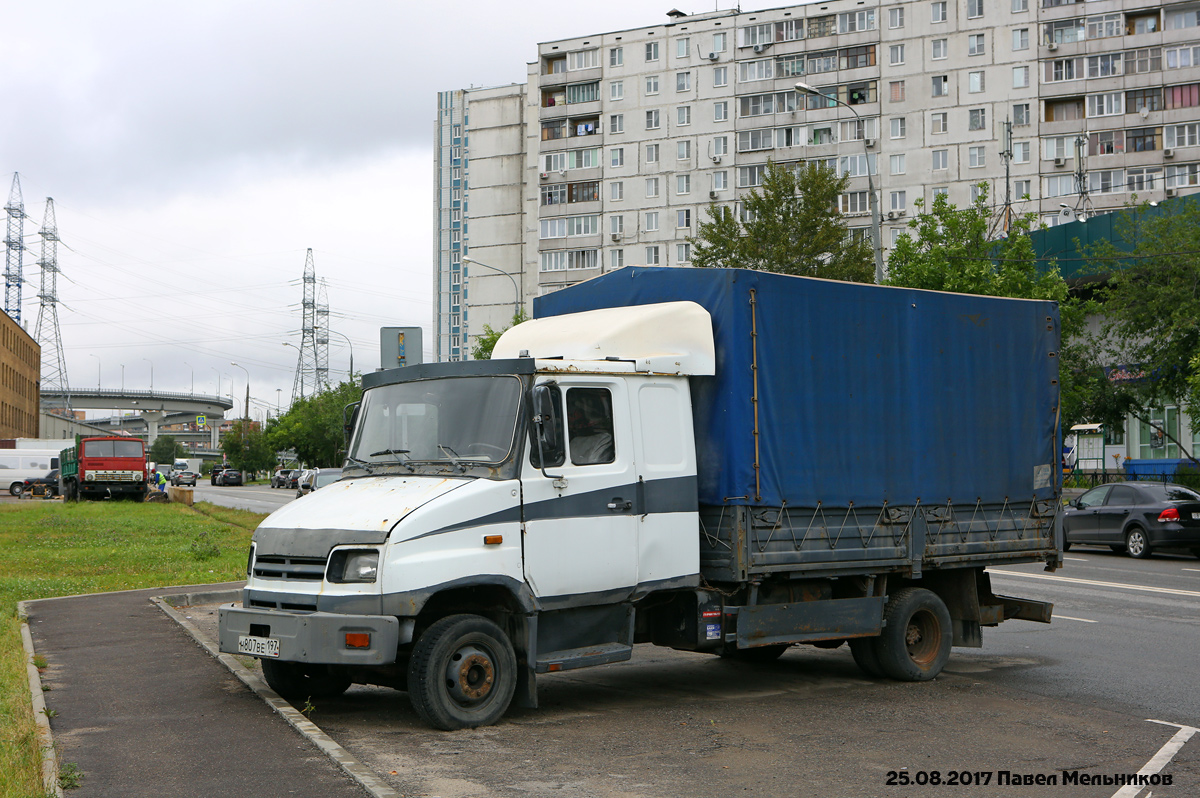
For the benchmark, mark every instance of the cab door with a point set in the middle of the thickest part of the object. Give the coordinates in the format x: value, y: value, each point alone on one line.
x: 581, y: 542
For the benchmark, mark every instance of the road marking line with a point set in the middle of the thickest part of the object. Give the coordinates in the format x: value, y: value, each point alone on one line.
x: 1160, y: 760
x: 1122, y: 585
x: 1197, y: 570
x: 1069, y: 618
x: 1077, y: 559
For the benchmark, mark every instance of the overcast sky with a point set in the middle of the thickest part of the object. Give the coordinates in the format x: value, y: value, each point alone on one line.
x: 194, y: 152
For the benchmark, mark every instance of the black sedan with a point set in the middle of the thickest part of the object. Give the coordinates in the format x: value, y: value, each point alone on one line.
x: 1135, y: 517
x: 230, y: 476
x: 47, y: 485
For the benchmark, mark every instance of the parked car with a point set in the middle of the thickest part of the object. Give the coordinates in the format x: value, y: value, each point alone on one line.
x: 293, y: 482
x: 230, y: 476
x: 317, y: 478
x: 1135, y: 517
x: 214, y: 476
x: 184, y: 478
x: 281, y: 478
x: 49, y: 484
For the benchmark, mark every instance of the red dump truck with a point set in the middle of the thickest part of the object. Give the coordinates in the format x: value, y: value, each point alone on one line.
x: 104, y: 468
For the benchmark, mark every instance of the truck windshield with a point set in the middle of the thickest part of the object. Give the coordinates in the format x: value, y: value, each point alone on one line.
x: 112, y: 449
x: 456, y: 421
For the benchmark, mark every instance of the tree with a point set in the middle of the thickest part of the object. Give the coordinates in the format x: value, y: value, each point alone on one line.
x: 791, y: 226
x: 247, y: 449
x: 486, y: 341
x: 313, y: 426
x: 165, y: 449
x: 954, y: 249
x: 1151, y: 306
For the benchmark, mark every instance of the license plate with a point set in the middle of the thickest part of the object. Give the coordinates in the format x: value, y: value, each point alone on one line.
x: 258, y: 646
x: 1196, y: 516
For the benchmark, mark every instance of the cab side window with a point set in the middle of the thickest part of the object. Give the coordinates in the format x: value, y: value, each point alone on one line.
x: 556, y: 455
x: 590, y: 426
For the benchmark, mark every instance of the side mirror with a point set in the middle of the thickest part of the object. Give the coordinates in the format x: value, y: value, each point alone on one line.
x: 349, y: 417
x: 545, y: 416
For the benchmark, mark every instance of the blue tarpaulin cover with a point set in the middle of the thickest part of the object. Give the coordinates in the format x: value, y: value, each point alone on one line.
x: 866, y: 393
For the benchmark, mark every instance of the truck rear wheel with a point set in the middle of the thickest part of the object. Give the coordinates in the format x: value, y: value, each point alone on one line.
x: 301, y: 680
x: 462, y: 673
x: 863, y: 649
x: 915, y: 643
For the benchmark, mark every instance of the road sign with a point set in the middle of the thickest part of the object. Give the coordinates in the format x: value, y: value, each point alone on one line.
x: 399, y: 346
x: 201, y: 421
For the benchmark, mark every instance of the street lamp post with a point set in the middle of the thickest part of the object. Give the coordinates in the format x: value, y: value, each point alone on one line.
x: 189, y: 365
x: 151, y: 362
x: 246, y: 407
x: 97, y: 371
x: 516, y: 288
x: 348, y: 341
x: 876, y: 229
x: 122, y: 378
x: 214, y: 368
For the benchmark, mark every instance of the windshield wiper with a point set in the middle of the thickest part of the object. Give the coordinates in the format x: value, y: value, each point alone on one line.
x: 361, y: 464
x: 407, y: 461
x: 454, y: 456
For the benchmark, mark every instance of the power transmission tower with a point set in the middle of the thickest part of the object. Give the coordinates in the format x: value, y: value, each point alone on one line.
x: 47, y: 333
x: 14, y: 243
x: 323, y: 336
x: 306, y: 382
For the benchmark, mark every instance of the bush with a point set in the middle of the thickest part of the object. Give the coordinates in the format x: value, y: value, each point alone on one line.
x: 1187, y: 474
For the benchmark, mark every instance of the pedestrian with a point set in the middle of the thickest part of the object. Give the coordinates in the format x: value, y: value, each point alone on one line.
x: 161, y: 482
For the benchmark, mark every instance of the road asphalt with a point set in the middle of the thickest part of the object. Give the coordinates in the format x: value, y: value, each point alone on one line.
x: 141, y: 710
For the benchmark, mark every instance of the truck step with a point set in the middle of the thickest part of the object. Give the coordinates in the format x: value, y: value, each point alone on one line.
x: 571, y: 658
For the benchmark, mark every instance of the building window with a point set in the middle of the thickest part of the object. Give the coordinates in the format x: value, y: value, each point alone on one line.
x: 1107, y: 181
x: 855, y: 21
x: 616, y: 191
x: 583, y: 59
x: 937, y: 11
x: 683, y: 252
x: 976, y: 157
x: 939, y: 122
x: 895, y: 18
x: 1105, y: 104
x: 897, y: 164
x: 616, y: 123
x: 616, y: 258
x: 974, y: 9
x: 1020, y: 77
x: 683, y: 81
x: 651, y: 85
x: 977, y: 119
x: 896, y: 54
x: 761, y: 69
x: 1180, y: 58
x: 939, y: 49
x: 1144, y: 139
x: 682, y: 47
x: 1183, y: 136
x: 616, y: 56
x: 583, y: 192
x: 1020, y: 39
x: 899, y: 127
x: 976, y: 44
x: 1142, y: 178
x: 651, y: 221
x: 975, y: 82
x: 651, y: 256
x: 1020, y: 5
x: 683, y: 218
x: 683, y: 184
x: 651, y: 51
x: 1022, y: 188
x: 1183, y: 175
x: 721, y: 111
x: 720, y: 181
x: 683, y: 150
x: 616, y: 90
x: 651, y: 187
x: 941, y: 85
x: 719, y: 42
x: 1144, y: 60
x: 750, y: 176
x: 1020, y: 114
x: 896, y: 91
x: 617, y: 156
x: 683, y: 115
x: 752, y: 140
x: 855, y: 57
x: 616, y: 225
x: 720, y: 76
x: 1021, y: 151
x: 651, y: 153
x: 653, y: 120
x: 899, y: 200
x: 1151, y: 99
x: 941, y: 159
x: 854, y: 202
x: 1105, y: 26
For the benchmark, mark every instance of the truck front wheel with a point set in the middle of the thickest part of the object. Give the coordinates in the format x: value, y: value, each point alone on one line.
x: 462, y: 673
x: 915, y: 643
x: 301, y: 680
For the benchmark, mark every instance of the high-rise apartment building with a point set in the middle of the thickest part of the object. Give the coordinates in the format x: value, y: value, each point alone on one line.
x: 612, y: 152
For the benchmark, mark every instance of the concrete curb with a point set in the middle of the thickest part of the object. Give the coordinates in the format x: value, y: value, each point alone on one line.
x: 363, y: 775
x: 45, y: 737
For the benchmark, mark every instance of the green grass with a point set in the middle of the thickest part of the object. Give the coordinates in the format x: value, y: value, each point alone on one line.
x: 62, y: 549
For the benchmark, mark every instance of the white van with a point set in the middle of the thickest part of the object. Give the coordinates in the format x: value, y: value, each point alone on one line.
x: 18, y: 465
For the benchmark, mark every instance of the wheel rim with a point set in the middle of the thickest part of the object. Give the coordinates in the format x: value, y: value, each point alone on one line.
x: 1137, y: 543
x: 470, y: 675
x: 923, y: 638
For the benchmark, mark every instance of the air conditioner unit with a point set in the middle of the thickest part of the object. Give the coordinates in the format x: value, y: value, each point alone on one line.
x: 901, y: 212
x: 758, y: 48
x: 1170, y: 192
x: 869, y: 142
x: 891, y: 215
x: 712, y: 195
x: 545, y: 175
x: 1060, y: 161
x: 713, y: 56
x: 1168, y: 153
x: 1053, y: 46
x: 716, y: 159
x: 616, y: 236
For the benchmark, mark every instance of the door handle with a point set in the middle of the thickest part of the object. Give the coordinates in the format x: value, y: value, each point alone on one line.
x: 620, y: 505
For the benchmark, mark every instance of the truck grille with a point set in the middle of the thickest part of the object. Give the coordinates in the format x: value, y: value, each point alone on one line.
x: 308, y: 569
x: 117, y: 476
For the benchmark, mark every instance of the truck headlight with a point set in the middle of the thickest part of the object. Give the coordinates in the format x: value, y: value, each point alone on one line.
x: 353, y: 566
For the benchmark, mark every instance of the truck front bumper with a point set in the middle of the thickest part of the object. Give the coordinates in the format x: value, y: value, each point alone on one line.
x: 317, y: 637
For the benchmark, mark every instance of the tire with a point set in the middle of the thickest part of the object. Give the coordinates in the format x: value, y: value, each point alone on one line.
x: 915, y: 643
x: 1196, y: 552
x: 759, y: 654
x: 863, y: 650
x: 1137, y: 545
x: 301, y: 680
x: 462, y: 673
x: 1117, y: 549
x: 16, y: 489
x: 1066, y: 544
